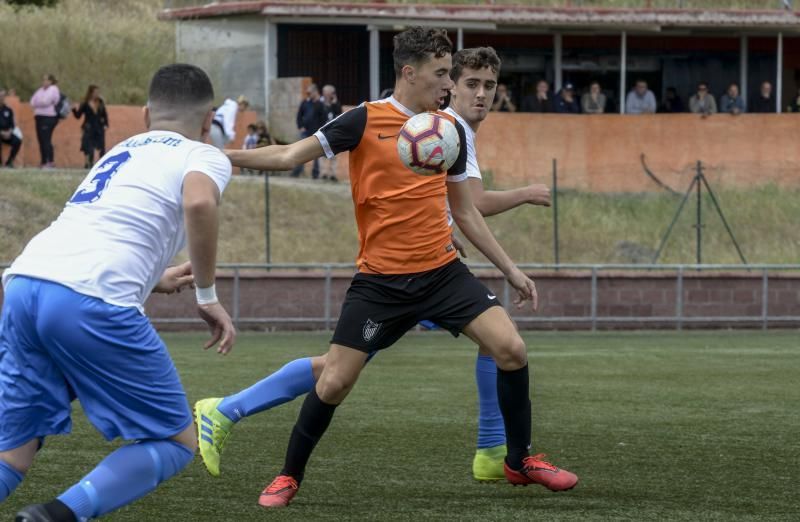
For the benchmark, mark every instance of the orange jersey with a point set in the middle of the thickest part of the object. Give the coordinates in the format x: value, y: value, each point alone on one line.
x: 401, y: 216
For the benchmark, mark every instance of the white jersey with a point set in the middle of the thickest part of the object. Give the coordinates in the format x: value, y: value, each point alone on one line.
x: 225, y: 115
x: 124, y: 224
x: 473, y: 170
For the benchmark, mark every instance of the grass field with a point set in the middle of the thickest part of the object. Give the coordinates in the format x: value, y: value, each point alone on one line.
x: 313, y: 222
x: 659, y: 426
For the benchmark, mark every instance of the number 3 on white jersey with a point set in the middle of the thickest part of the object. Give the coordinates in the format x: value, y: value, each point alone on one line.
x: 104, y: 172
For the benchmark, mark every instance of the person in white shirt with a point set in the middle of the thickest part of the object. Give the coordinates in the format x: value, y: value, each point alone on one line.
x: 223, y: 126
x: 73, y: 323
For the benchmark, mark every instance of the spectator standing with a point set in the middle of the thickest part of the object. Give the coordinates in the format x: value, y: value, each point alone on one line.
x: 594, y: 101
x: 565, y: 102
x: 541, y: 101
x: 223, y: 126
x: 764, y: 102
x: 250, y: 142
x: 44, y: 102
x: 502, y: 100
x: 8, y: 131
x: 671, y: 102
x: 332, y: 109
x: 703, y: 102
x: 310, y: 117
x: 731, y: 102
x: 95, y: 123
x: 640, y: 100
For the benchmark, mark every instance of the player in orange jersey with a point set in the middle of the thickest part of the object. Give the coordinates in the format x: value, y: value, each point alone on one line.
x: 408, y: 268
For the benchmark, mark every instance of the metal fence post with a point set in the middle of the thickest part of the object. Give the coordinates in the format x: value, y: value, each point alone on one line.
x: 679, y: 300
x: 506, y: 294
x: 764, y: 299
x: 236, y: 297
x: 328, y: 278
x: 594, y: 298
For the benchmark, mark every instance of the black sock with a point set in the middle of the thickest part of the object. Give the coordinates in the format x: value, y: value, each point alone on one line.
x: 513, y: 396
x: 314, y: 418
x: 59, y: 511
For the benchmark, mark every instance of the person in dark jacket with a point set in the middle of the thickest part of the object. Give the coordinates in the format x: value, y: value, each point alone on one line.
x: 310, y: 117
x: 764, y: 102
x: 7, y: 131
x: 95, y: 123
x: 565, y: 102
x: 541, y: 101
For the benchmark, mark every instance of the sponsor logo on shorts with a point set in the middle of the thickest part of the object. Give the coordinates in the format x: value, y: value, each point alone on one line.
x: 491, y: 297
x: 370, y: 329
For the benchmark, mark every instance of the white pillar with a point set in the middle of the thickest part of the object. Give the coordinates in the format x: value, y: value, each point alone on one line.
x: 270, y: 60
x: 623, y: 70
x: 374, y: 63
x: 779, y: 75
x: 743, y: 91
x: 460, y: 39
x: 557, y: 51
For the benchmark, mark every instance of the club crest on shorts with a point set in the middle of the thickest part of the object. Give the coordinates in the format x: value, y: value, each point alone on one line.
x: 370, y: 329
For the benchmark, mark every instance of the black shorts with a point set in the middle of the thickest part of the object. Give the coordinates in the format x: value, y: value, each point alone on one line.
x: 379, y: 309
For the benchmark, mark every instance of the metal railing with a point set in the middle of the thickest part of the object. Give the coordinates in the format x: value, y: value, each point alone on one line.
x: 327, y: 271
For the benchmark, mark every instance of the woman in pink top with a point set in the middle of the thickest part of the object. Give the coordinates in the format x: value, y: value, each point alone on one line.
x: 44, y: 103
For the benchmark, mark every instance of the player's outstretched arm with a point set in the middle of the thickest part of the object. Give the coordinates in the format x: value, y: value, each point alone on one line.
x: 473, y: 226
x: 200, y: 210
x: 491, y: 202
x: 277, y: 157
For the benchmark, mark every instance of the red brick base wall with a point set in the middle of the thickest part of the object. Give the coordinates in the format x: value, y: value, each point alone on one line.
x: 297, y: 300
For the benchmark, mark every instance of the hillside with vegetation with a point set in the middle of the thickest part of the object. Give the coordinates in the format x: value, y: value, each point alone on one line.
x: 312, y: 222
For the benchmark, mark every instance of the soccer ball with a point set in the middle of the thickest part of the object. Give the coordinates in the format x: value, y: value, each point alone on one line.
x: 428, y: 144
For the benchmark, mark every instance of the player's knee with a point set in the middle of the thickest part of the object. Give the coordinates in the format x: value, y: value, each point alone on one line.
x: 187, y: 438
x: 332, y: 389
x: 511, y: 354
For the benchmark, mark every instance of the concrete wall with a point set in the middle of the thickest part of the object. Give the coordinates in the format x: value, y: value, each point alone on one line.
x: 285, y: 95
x: 231, y: 50
x: 285, y: 295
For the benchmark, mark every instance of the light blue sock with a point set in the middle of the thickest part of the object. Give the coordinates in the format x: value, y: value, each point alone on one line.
x: 491, y: 430
x: 292, y: 380
x: 9, y: 480
x: 126, y: 475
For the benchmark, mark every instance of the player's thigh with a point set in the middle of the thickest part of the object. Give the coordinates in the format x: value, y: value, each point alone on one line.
x: 21, y: 458
x: 494, y: 332
x: 118, y: 366
x: 34, y: 395
x: 342, y: 367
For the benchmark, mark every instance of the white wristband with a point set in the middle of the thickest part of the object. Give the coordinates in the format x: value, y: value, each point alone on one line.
x: 206, y: 295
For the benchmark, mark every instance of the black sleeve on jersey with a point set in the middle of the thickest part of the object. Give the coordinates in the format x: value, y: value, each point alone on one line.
x: 460, y: 166
x: 345, y: 132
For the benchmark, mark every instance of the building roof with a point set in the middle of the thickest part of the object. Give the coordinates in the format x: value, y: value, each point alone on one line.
x: 499, y: 16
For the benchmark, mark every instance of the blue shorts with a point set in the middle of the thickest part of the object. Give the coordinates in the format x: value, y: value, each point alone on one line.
x: 57, y: 344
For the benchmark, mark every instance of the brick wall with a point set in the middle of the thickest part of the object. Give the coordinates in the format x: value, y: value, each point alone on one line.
x: 284, y: 295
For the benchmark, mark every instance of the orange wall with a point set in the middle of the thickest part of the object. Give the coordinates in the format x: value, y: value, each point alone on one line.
x: 602, y: 152
x: 125, y: 121
x: 598, y: 153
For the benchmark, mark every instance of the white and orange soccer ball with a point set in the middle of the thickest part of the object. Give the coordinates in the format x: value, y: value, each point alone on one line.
x: 428, y: 144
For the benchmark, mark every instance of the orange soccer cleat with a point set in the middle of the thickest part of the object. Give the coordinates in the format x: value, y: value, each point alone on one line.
x: 279, y: 493
x: 535, y: 470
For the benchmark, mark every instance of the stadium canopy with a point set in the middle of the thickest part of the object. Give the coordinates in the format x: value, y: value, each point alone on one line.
x: 775, y: 20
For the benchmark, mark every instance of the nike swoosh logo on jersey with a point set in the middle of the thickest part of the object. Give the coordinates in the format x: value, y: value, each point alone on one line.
x: 385, y: 137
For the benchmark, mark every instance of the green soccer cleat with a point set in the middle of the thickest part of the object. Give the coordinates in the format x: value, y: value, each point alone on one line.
x: 488, y: 464
x: 213, y: 429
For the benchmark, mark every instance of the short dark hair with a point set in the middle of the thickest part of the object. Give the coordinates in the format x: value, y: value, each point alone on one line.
x: 476, y: 58
x: 413, y: 46
x: 180, y: 85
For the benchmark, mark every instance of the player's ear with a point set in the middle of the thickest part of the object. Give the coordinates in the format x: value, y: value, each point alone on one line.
x: 207, y: 124
x: 409, y: 73
x: 146, y: 116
